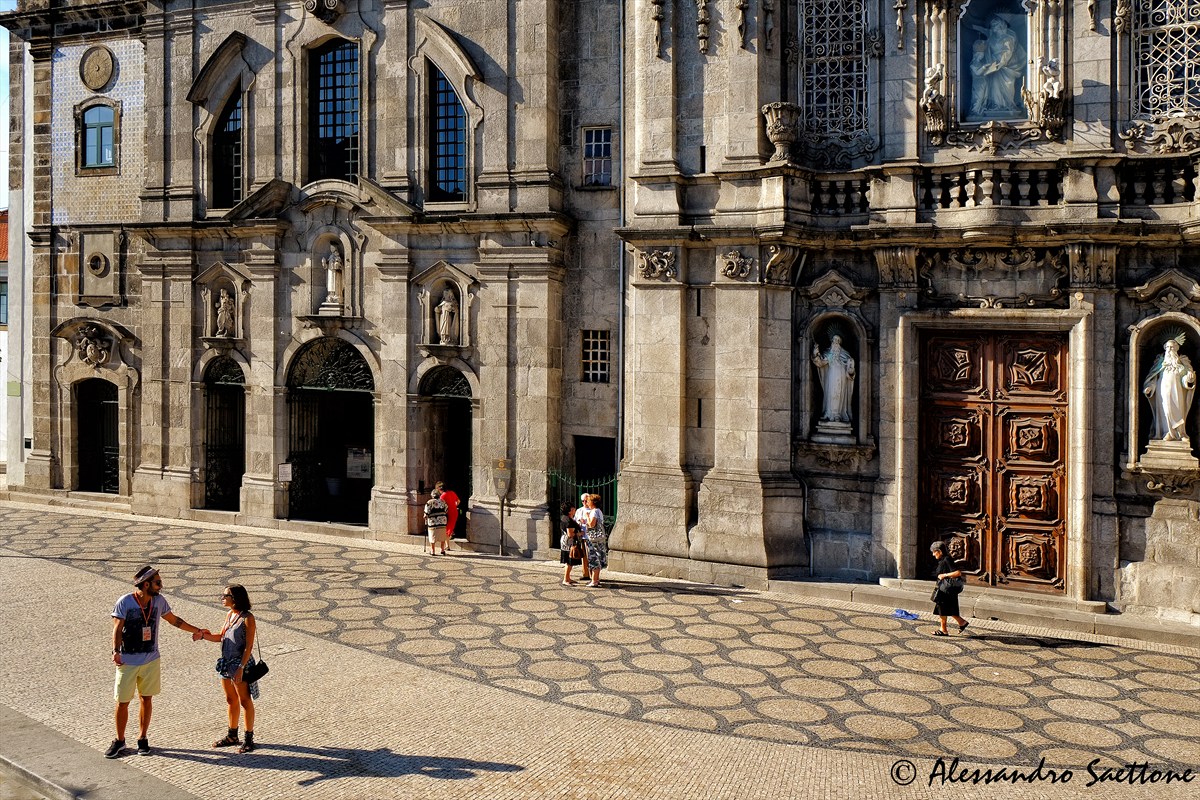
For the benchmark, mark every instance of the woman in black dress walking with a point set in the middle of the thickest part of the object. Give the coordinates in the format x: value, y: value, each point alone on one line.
x: 945, y: 603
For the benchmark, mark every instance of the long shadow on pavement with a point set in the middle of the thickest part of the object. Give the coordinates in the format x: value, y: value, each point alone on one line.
x: 343, y: 762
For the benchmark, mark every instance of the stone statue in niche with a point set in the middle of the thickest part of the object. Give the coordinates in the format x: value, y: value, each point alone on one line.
x: 836, y: 370
x: 1170, y: 387
x: 225, y: 314
x: 444, y: 314
x: 333, y: 274
x: 997, y: 70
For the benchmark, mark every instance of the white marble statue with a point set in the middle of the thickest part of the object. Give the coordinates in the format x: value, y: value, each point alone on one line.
x: 997, y: 67
x: 1170, y: 387
x: 836, y: 369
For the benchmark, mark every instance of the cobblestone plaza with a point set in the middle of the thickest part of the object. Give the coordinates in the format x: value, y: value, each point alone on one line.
x: 398, y: 674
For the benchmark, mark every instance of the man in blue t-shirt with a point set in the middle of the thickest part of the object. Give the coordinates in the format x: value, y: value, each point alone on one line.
x: 135, y: 652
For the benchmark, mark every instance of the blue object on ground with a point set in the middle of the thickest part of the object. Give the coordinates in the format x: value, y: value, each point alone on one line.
x: 902, y: 614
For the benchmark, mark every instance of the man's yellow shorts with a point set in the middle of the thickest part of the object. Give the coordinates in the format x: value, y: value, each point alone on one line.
x: 146, y: 678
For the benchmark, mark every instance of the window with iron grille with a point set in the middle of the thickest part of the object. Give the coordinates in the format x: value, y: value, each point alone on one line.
x: 1166, y: 40
x: 448, y: 141
x: 227, y: 156
x: 833, y: 79
x: 597, y: 156
x: 597, y: 356
x: 333, y: 111
x: 3, y: 302
x: 98, y: 132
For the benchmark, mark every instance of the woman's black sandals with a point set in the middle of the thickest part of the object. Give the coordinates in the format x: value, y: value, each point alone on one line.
x: 248, y: 747
x: 229, y: 740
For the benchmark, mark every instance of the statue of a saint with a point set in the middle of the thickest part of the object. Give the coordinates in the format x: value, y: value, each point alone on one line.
x: 1170, y: 387
x: 445, y: 312
x: 997, y: 67
x: 836, y: 369
x: 333, y: 274
x: 225, y: 311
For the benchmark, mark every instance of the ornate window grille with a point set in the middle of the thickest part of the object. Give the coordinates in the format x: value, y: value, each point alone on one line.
x: 227, y: 156
x: 597, y: 356
x: 1166, y: 41
x: 597, y: 156
x: 448, y: 141
x: 833, y: 76
x: 334, y: 111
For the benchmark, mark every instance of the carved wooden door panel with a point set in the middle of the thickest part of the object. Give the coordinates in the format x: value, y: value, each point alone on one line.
x: 992, y: 462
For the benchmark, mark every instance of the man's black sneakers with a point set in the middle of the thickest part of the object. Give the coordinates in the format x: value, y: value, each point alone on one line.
x: 143, y: 747
x: 115, y: 748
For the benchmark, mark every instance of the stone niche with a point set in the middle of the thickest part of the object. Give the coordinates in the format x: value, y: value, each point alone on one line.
x: 1163, y: 353
x: 446, y: 295
x: 100, y: 256
x: 224, y: 299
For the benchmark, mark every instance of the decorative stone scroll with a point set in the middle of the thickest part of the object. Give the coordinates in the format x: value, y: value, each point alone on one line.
x: 735, y: 265
x: 1122, y: 16
x: 779, y: 262
x: 658, y: 264
x: 1170, y: 135
x: 933, y: 103
x: 702, y: 22
x: 327, y: 11
x: 1017, y: 277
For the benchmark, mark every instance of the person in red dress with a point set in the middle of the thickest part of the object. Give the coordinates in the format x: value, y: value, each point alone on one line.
x: 451, y: 500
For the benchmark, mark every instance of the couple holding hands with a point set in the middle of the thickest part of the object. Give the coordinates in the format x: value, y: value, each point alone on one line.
x: 136, y: 655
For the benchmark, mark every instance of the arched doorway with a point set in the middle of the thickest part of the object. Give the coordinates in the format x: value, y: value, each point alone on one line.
x: 224, y: 434
x: 447, y: 415
x: 98, y: 436
x: 331, y: 410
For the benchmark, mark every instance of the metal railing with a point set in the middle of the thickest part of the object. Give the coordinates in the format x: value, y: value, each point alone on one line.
x: 562, y: 486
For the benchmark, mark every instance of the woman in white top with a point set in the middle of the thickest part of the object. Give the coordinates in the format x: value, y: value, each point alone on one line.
x: 591, y: 520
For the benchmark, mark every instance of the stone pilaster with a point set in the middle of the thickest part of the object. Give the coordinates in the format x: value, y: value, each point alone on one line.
x: 655, y: 491
x: 390, y: 496
x: 162, y: 477
x: 748, y: 509
x: 266, y: 404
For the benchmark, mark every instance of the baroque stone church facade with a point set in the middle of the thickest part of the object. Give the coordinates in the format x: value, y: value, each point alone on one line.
x: 830, y: 280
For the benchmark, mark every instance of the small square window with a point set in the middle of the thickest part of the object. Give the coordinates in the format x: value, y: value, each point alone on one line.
x: 597, y: 156
x: 597, y: 356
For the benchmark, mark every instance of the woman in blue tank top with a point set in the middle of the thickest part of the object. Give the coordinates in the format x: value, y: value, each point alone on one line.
x: 237, y: 641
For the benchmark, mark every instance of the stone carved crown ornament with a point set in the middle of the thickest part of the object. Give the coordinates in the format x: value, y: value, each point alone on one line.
x: 1171, y: 290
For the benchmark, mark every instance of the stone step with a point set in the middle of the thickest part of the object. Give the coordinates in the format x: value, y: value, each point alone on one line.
x: 1005, y: 605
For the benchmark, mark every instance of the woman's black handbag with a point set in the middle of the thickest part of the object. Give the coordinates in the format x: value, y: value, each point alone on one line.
x: 256, y: 670
x: 952, y: 585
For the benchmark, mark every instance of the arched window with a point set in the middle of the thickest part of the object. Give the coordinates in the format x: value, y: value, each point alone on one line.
x: 98, y: 137
x: 227, y: 155
x: 333, y: 111
x: 447, y: 141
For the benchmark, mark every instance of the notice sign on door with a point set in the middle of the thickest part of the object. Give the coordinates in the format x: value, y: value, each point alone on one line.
x: 358, y: 462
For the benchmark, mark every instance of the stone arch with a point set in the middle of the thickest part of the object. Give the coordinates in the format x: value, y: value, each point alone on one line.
x: 311, y: 335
